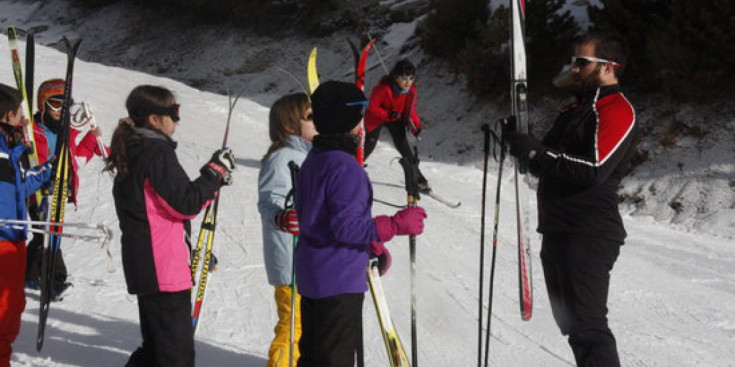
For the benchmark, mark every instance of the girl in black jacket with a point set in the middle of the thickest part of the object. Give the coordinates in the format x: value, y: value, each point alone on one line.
x: 155, y: 200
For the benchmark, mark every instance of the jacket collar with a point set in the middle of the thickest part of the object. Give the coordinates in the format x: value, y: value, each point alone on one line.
x: 149, y: 133
x: 598, y: 93
x: 297, y: 143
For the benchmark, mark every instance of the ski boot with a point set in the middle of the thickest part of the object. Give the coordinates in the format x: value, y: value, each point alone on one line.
x: 57, y: 291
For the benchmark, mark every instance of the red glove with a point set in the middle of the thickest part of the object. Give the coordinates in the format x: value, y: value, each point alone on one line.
x: 287, y: 221
x: 378, y: 250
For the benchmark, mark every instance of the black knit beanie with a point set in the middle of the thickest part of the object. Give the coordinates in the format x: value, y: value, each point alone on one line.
x: 337, y: 106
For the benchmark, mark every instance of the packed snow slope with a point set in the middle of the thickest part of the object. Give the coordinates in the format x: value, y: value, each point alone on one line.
x: 686, y: 176
x: 672, y: 298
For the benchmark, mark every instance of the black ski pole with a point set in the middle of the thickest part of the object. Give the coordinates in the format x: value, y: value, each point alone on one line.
x: 486, y: 153
x: 496, y: 221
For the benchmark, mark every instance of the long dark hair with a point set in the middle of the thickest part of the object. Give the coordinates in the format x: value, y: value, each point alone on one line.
x: 141, y: 99
x: 10, y: 99
x: 285, y: 119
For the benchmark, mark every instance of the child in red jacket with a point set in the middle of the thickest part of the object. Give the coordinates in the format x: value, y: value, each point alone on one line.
x: 46, y: 130
x: 393, y: 105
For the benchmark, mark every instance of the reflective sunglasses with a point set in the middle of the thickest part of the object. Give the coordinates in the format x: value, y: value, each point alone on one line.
x: 405, y: 78
x: 582, y: 61
x: 55, y: 104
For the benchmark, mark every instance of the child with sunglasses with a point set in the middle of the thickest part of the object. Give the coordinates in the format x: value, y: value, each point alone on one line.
x: 291, y: 131
x: 338, y: 231
x: 155, y: 200
x: 46, y: 132
x: 16, y: 183
x: 393, y: 105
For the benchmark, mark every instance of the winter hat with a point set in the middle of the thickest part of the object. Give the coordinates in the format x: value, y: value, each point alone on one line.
x: 337, y: 107
x: 48, y: 89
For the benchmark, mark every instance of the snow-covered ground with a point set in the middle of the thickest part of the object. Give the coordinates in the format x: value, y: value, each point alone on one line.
x: 672, y: 297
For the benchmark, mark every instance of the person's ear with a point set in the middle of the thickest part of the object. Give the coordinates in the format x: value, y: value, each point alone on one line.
x: 154, y: 120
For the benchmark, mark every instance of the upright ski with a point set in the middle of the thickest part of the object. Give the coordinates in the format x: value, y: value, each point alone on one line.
x: 58, y: 198
x: 519, y: 114
x: 311, y: 74
x: 360, y: 83
x: 205, y: 240
x: 30, y: 70
x: 393, y: 346
x: 20, y: 83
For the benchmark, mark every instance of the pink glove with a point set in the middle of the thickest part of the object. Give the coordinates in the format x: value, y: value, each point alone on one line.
x: 378, y: 250
x: 409, y: 221
x: 287, y: 221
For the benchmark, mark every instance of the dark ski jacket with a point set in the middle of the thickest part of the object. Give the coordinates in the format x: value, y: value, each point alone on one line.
x: 387, y: 98
x: 16, y: 182
x: 333, y: 204
x: 589, y: 149
x: 154, y: 204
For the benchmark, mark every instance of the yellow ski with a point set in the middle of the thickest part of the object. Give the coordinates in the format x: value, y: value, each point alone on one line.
x: 311, y: 75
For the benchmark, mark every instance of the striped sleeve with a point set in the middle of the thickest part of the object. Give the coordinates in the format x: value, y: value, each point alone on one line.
x: 615, y: 121
x: 613, y: 135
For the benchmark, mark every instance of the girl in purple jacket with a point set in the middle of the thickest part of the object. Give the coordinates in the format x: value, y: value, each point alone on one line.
x: 337, y: 231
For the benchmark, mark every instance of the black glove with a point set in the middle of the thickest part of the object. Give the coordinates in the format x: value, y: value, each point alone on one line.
x: 523, y: 146
x: 394, y: 116
x: 412, y: 128
x: 220, y: 166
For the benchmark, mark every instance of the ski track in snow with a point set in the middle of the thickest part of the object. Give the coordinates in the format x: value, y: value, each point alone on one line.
x: 672, y: 294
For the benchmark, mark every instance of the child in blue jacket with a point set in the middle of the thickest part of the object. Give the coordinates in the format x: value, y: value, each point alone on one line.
x: 16, y: 183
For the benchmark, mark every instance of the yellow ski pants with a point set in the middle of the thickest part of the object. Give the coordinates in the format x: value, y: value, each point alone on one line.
x: 278, y: 354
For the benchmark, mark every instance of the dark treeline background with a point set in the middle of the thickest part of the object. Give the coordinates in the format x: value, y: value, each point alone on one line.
x: 684, y: 48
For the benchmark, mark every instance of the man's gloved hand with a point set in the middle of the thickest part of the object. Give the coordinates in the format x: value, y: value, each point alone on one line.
x: 394, y: 116
x: 523, y: 146
x: 378, y: 250
x: 220, y: 166
x: 287, y: 221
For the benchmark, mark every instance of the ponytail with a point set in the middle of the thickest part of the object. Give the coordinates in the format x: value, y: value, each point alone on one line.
x: 142, y: 98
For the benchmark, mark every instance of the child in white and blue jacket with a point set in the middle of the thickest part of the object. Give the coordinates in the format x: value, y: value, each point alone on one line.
x: 291, y: 130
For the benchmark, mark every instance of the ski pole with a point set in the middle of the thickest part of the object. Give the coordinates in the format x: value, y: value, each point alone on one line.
x: 294, y: 168
x: 496, y: 221
x: 83, y: 237
x: 93, y: 124
x: 486, y: 154
x: 410, y: 168
x: 370, y: 38
x: 54, y: 224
